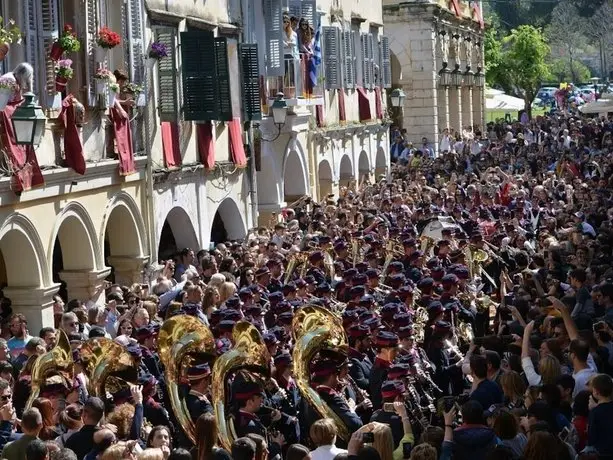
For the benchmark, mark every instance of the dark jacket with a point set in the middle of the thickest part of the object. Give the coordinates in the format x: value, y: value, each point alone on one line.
x: 472, y: 442
x: 82, y: 442
x: 16, y: 450
x: 487, y: 393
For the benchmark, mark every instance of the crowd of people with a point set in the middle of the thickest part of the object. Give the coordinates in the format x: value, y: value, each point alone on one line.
x: 469, y: 302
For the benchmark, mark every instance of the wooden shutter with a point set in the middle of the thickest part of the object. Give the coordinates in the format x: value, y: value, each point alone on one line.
x: 348, y: 60
x: 92, y: 14
x: 31, y: 42
x: 49, y: 32
x: 224, y: 96
x: 136, y: 40
x: 250, y: 81
x: 167, y: 75
x: 371, y: 60
x: 368, y: 69
x: 386, y: 63
x: 308, y: 11
x: 294, y: 8
x: 200, y: 85
x: 273, y: 21
x: 331, y: 58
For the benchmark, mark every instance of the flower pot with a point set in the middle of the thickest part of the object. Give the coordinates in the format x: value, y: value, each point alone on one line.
x: 100, y: 87
x: 5, y: 97
x: 56, y: 52
x: 60, y: 84
x: 101, y: 53
x: 141, y: 100
x: 151, y: 62
x: 4, y: 50
x: 112, y: 96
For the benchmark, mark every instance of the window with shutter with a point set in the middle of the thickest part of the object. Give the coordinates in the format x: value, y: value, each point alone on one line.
x: 31, y: 42
x: 224, y: 96
x: 386, y: 63
x: 200, y: 85
x: 250, y: 81
x: 294, y: 8
x: 348, y: 60
x: 307, y: 11
x: 331, y: 57
x: 273, y: 21
x: 91, y: 26
x: 49, y: 32
x: 373, y: 59
x: 167, y: 75
x: 368, y: 65
x: 136, y: 41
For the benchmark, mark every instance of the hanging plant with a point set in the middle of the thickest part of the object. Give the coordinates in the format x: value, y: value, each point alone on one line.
x: 104, y: 74
x: 133, y: 88
x: 8, y: 35
x: 158, y: 51
x: 67, y: 43
x: 8, y: 87
x: 107, y: 38
x: 63, y: 73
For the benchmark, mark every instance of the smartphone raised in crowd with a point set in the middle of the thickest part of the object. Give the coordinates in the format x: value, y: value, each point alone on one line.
x: 388, y: 407
x: 368, y: 437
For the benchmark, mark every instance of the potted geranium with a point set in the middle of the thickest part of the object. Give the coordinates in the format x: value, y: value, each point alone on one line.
x: 63, y: 73
x: 157, y: 51
x: 67, y: 43
x: 103, y: 77
x: 113, y: 92
x: 137, y: 92
x: 9, y: 34
x: 8, y: 87
x: 107, y: 39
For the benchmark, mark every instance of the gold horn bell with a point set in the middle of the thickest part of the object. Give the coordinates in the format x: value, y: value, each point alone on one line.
x: 183, y: 340
x: 103, y: 359
x: 249, y: 353
x: 315, y: 329
x: 57, y: 361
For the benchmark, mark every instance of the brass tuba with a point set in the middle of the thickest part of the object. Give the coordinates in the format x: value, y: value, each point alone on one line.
x: 249, y: 353
x: 182, y: 340
x: 315, y: 329
x: 103, y: 359
x: 419, y: 324
x: 57, y: 361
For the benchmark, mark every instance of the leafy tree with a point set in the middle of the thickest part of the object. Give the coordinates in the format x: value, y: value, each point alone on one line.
x: 561, y: 72
x: 524, y: 61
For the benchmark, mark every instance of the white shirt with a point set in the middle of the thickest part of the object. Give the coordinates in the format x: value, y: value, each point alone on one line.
x: 326, y: 452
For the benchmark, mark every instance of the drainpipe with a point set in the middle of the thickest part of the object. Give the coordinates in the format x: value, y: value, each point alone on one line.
x: 246, y: 13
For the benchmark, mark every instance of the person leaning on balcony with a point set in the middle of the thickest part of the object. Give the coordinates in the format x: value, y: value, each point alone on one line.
x: 290, y: 40
x: 305, y: 37
x: 125, y: 98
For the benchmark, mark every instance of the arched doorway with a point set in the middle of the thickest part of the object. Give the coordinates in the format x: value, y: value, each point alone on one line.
x: 124, y: 241
x: 363, y: 168
x: 177, y: 233
x: 22, y: 261
x: 324, y: 174
x: 74, y: 254
x: 228, y: 223
x: 345, y: 174
x: 380, y: 164
x: 295, y: 183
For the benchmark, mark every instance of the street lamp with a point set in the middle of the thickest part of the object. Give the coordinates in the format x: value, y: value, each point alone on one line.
x: 397, y: 97
x: 479, y: 78
x: 28, y: 122
x: 469, y: 77
x: 444, y: 76
x: 456, y: 76
x: 279, y: 114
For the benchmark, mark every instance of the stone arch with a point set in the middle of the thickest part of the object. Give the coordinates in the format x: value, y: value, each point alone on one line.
x: 22, y: 253
x: 124, y: 228
x: 324, y: 174
x: 380, y: 163
x: 345, y: 170
x: 177, y: 233
x: 295, y: 180
x: 78, y: 239
x: 363, y: 167
x: 228, y: 222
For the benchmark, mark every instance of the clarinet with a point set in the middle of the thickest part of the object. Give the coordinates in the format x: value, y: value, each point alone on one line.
x: 360, y: 394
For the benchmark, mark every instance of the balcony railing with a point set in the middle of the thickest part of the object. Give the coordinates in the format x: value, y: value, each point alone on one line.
x: 296, y: 83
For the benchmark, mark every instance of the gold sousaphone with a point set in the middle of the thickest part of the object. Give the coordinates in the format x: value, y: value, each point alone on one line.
x: 315, y: 329
x: 183, y: 341
x: 249, y: 353
x: 57, y: 361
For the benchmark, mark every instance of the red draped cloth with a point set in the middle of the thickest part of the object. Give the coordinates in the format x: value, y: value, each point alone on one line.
x: 26, y: 171
x: 73, y: 147
x: 236, y: 143
x: 342, y: 115
x: 170, y: 143
x: 123, y: 139
x: 378, y: 104
x: 206, y: 145
x: 363, y: 105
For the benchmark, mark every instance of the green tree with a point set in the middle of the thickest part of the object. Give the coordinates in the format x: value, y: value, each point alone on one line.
x: 492, y: 48
x: 524, y: 61
x: 562, y: 73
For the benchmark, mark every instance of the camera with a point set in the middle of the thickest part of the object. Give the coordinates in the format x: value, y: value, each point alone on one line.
x: 368, y: 437
x: 407, y: 447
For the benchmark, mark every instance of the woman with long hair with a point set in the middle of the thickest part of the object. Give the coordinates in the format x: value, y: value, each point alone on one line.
x: 383, y: 440
x: 543, y: 445
x: 513, y: 387
x: 226, y: 290
x: 206, y: 440
x: 49, y: 431
x: 70, y: 422
x: 210, y: 300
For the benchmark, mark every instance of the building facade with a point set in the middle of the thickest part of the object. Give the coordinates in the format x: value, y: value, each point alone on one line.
x: 437, y: 60
x: 336, y: 132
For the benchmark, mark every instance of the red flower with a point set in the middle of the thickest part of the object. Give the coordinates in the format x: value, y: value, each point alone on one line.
x: 68, y: 28
x: 107, y: 38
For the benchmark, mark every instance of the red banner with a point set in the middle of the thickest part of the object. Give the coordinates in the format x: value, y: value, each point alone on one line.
x: 236, y: 143
x: 123, y: 139
x: 170, y: 143
x: 73, y: 147
x: 206, y: 144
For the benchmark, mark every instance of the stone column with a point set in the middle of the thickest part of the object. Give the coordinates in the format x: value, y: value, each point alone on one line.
x: 35, y: 303
x: 128, y: 270
x: 443, y: 108
x: 85, y: 285
x: 478, y: 107
x: 467, y: 106
x: 455, y: 108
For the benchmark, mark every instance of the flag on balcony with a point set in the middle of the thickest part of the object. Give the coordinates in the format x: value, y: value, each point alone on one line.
x: 315, y: 61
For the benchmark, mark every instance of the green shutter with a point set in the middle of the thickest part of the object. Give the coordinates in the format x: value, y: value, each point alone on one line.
x: 250, y: 81
x: 224, y: 97
x: 167, y: 75
x: 200, y: 86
